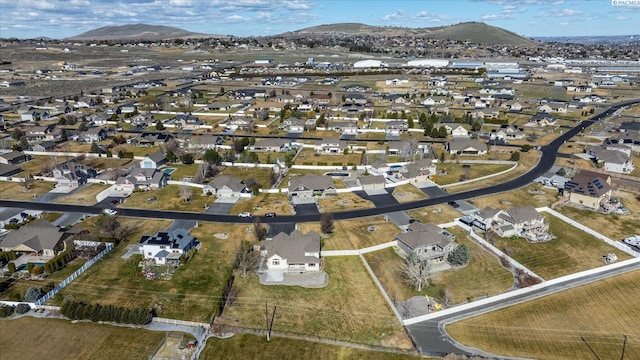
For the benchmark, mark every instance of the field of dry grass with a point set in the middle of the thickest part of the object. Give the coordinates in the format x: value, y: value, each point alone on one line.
x: 614, y: 226
x: 16, y: 191
x: 355, y: 234
x: 168, y: 198
x: 86, y: 196
x: 264, y: 203
x: 520, y: 197
x: 260, y: 175
x: 437, y: 214
x: 456, y: 171
x: 408, y: 192
x: 61, y: 339
x: 344, y: 202
x: 482, y: 276
x: 552, y: 327
x: 571, y: 251
x: 349, y: 308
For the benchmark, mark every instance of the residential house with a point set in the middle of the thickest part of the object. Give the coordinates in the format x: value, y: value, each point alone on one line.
x: 428, y: 241
x: 456, y: 130
x: 354, y: 98
x: 44, y: 133
x: 242, y: 123
x: 8, y: 170
x: 72, y: 174
x: 14, y: 158
x: 44, y: 146
x: 189, y: 122
x: 151, y: 139
x: 331, y: 146
x: 512, y: 106
x: 93, y: 135
x: 166, y: 246
x: 522, y: 221
x: 296, y: 252
x: 419, y: 170
x: 486, y: 113
x: 371, y: 182
x: 395, y: 128
x: 612, y: 160
x: 204, y: 141
x: 434, y: 100
x: 153, y: 161
x: 271, y: 145
x: 404, y: 148
x: 143, y: 179
x: 542, y: 119
x: 553, y: 106
x: 310, y: 186
x: 507, y: 132
x: 345, y: 127
x: 466, y: 147
x: 293, y: 125
x: 589, y: 189
x: 227, y: 186
x: 39, y: 237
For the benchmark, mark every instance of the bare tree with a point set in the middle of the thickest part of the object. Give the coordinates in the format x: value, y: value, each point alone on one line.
x: 246, y: 257
x: 416, y: 271
x: 185, y: 191
x: 111, y: 226
x: 447, y: 297
x: 201, y: 174
x: 326, y: 223
x: 259, y: 231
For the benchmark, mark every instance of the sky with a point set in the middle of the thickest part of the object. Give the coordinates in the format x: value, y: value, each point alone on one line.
x: 64, y: 18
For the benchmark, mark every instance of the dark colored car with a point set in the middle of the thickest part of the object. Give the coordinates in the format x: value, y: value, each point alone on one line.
x: 453, y: 204
x: 114, y: 202
x: 270, y: 214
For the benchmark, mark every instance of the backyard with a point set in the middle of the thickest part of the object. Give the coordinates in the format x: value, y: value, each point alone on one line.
x: 350, y: 308
x: 564, y: 325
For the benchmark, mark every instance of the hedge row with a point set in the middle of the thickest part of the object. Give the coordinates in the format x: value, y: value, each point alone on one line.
x: 59, y: 261
x: 96, y: 312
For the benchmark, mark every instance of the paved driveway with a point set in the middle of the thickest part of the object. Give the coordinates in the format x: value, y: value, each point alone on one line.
x: 222, y: 206
x: 378, y: 200
x: 306, y: 209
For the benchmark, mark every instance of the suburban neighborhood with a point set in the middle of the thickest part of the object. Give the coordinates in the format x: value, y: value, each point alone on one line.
x: 283, y: 188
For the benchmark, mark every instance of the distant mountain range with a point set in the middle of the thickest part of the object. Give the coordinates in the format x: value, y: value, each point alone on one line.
x: 138, y: 32
x: 475, y: 32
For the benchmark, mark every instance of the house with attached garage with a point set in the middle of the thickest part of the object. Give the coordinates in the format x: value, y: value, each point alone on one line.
x: 428, y: 241
x: 419, y: 170
x: 522, y: 221
x: 507, y: 132
x: 466, y: 147
x: 93, y: 135
x: 72, y: 174
x: 14, y: 158
x: 588, y: 189
x: 395, y: 128
x: 331, y: 146
x: 296, y: 252
x: 310, y: 186
x: 227, y: 186
x: 456, y: 130
x: 612, y: 160
x: 371, y: 182
x: 345, y: 127
x: 271, y: 145
x: 143, y: 179
x: 166, y: 246
x: 541, y: 119
x: 153, y: 161
x: 40, y: 238
x: 293, y: 124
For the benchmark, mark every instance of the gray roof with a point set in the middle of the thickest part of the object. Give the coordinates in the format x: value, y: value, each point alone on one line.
x: 294, y: 246
x: 39, y: 235
x: 520, y: 214
x: 178, y: 239
x: 231, y: 182
x: 462, y: 144
x: 371, y: 179
x: 157, y: 156
x: 423, y: 234
x: 311, y: 182
x: 488, y: 213
x: 12, y: 155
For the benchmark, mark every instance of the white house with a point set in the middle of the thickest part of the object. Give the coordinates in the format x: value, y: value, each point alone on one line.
x: 153, y: 161
x: 466, y: 147
x: 165, y: 246
x: 297, y: 252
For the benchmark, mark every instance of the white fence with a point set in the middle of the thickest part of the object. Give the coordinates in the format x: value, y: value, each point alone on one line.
x: 73, y: 276
x: 11, y: 178
x: 618, y: 245
x: 178, y: 322
x: 359, y: 251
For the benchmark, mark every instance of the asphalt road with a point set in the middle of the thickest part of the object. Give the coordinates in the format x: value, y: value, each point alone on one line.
x: 547, y: 159
x: 431, y: 338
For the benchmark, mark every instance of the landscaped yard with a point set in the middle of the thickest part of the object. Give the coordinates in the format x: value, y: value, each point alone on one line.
x: 483, y: 276
x: 86, y: 196
x: 571, y: 251
x: 61, y: 339
x: 349, y: 308
x: 614, y: 226
x: 17, y: 191
x: 244, y: 346
x: 182, y: 171
x: 264, y: 203
x: 355, y: 234
x: 343, y: 202
x: 437, y: 214
x: 169, y: 198
x: 551, y: 327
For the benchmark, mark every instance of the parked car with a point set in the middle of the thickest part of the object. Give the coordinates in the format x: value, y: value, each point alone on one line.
x: 109, y: 212
x: 245, y: 214
x: 270, y: 214
x: 114, y: 202
x: 453, y: 204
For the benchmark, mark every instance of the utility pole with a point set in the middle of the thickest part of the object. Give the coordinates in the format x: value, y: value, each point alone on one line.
x: 266, y: 318
x: 624, y: 345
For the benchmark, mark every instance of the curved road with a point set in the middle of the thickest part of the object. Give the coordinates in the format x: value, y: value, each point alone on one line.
x: 547, y: 159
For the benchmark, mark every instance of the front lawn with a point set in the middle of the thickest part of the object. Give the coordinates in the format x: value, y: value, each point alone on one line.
x: 264, y: 203
x: 86, y: 196
x: 343, y: 202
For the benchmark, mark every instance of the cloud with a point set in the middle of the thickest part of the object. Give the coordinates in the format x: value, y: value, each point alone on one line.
x: 235, y: 18
x: 503, y: 16
x: 398, y: 15
x: 297, y: 5
x: 559, y: 13
x: 564, y: 23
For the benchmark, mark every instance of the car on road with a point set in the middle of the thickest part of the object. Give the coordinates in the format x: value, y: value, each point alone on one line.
x: 109, y: 212
x: 270, y: 214
x: 245, y: 214
x: 453, y: 204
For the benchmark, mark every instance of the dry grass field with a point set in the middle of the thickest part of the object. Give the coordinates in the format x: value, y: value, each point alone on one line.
x: 437, y: 214
x: 349, y: 308
x: 455, y: 171
x: 168, y: 198
x: 482, y: 276
x: 16, y: 191
x: 61, y: 339
x: 309, y: 157
x: 614, y: 226
x: 355, y: 234
x: 260, y: 175
x: 244, y: 346
x: 520, y: 197
x: 571, y: 251
x: 344, y: 202
x: 264, y: 203
x: 552, y: 327
x: 86, y: 196
x: 408, y: 192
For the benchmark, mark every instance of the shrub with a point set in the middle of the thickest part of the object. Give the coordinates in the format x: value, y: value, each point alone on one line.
x: 12, y: 267
x: 459, y: 256
x: 33, y: 294
x: 23, y: 308
x: 6, y: 310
